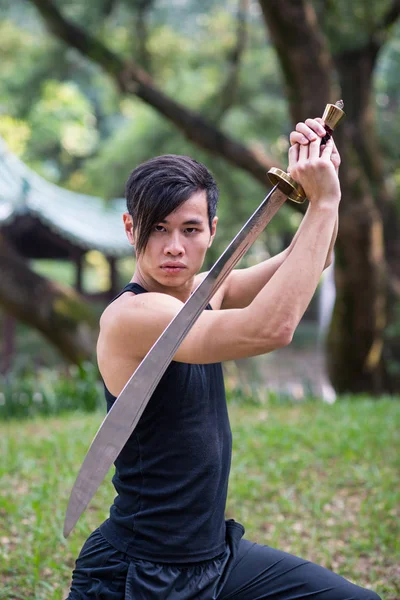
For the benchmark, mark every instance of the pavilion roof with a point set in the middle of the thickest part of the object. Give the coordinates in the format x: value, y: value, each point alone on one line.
x: 87, y: 222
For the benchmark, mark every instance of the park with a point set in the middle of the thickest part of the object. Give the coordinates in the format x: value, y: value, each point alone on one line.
x: 87, y: 93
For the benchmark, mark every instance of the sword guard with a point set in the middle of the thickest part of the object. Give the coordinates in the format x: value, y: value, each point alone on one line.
x: 332, y: 116
x: 287, y: 185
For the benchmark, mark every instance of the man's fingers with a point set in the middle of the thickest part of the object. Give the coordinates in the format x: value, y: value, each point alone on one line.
x: 316, y: 126
x: 307, y: 132
x: 328, y: 149
x: 335, y: 150
x: 314, y: 149
x: 303, y: 153
x: 298, y: 138
x: 293, y: 156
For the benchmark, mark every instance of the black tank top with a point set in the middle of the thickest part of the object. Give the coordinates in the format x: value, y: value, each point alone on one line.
x: 172, y: 475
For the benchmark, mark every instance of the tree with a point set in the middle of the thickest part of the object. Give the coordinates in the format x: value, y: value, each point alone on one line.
x: 316, y: 69
x: 57, y: 311
x: 360, y: 355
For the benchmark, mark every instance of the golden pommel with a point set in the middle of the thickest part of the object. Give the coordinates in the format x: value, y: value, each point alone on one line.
x: 333, y: 114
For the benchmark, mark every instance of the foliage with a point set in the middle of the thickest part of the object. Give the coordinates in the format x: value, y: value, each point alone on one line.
x: 392, y: 333
x: 63, y: 116
x: 77, y: 131
x: 28, y: 393
x: 73, y: 127
x: 315, y: 480
x: 349, y: 24
x: 80, y: 131
x: 388, y: 105
x: 16, y: 132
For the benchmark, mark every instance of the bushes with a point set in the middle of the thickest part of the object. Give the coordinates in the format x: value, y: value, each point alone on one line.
x: 29, y: 392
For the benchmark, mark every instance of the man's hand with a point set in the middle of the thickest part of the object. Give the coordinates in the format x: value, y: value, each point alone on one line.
x: 308, y: 132
x: 312, y: 131
x: 314, y: 166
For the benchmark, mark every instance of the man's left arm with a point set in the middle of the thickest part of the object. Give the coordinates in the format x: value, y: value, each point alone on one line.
x: 243, y: 285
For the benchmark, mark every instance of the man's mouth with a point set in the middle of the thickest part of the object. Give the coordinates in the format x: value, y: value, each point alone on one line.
x: 173, y: 267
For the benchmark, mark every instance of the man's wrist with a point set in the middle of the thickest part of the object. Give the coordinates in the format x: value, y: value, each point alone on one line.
x: 325, y: 204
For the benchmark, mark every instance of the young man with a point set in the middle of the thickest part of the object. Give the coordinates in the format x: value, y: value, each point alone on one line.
x: 166, y: 538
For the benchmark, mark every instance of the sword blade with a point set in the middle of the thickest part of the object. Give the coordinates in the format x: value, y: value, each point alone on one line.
x: 126, y: 411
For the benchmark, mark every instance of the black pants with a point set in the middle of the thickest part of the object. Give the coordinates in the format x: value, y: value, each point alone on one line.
x: 245, y: 571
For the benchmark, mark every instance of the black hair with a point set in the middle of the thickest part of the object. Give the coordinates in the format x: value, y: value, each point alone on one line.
x: 159, y: 186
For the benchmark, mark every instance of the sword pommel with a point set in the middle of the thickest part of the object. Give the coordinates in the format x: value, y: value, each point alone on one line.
x: 333, y: 114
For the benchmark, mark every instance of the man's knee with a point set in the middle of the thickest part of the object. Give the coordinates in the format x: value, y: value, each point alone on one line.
x: 363, y: 594
x: 372, y: 596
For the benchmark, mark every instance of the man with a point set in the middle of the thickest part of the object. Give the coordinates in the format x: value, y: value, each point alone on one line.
x: 166, y: 537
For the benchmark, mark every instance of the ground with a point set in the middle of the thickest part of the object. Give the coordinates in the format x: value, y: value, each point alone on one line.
x: 317, y: 480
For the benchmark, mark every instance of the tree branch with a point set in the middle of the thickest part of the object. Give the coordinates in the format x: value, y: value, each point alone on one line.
x: 303, y: 55
x: 58, y: 312
x: 108, y: 7
x: 380, y: 33
x: 142, y: 34
x: 131, y: 79
x: 356, y: 68
x: 391, y: 16
x: 226, y: 96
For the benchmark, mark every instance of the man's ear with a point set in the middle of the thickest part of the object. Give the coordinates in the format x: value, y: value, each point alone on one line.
x: 129, y: 228
x: 213, y: 230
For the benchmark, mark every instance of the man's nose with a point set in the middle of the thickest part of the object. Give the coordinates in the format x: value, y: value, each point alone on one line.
x: 174, y: 245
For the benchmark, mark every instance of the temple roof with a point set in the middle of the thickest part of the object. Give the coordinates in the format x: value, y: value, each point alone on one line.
x: 85, y: 222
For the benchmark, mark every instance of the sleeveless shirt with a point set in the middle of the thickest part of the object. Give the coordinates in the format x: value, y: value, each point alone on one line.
x: 171, y: 477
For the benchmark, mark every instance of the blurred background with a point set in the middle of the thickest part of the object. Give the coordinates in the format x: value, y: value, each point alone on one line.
x: 88, y: 90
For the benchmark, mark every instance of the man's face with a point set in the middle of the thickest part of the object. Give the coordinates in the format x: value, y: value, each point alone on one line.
x: 176, y: 247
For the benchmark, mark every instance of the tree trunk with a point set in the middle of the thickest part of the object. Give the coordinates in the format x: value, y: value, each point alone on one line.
x: 356, y: 342
x: 58, y: 312
x: 303, y: 55
x: 356, y: 336
x: 360, y: 353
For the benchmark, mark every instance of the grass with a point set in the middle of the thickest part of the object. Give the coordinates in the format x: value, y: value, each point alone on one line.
x: 315, y: 480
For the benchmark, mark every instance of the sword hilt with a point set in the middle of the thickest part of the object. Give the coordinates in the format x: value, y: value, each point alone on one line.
x: 332, y: 116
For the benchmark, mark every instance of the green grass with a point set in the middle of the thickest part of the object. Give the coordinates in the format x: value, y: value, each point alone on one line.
x: 315, y: 480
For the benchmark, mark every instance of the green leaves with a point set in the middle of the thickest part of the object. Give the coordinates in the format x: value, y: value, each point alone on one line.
x: 63, y: 117
x: 29, y: 393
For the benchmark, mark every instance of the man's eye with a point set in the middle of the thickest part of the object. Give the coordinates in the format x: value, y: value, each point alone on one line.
x: 159, y: 228
x: 191, y: 229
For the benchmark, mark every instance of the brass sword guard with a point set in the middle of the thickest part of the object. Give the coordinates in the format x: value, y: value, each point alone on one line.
x: 332, y: 116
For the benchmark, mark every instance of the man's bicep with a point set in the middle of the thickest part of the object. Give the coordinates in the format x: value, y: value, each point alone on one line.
x: 222, y: 335
x: 216, y: 336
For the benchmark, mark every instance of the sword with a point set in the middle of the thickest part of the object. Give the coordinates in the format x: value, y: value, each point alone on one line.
x: 127, y: 409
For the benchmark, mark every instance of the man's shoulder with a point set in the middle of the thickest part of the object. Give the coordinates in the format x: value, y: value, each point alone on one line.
x: 130, y: 308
